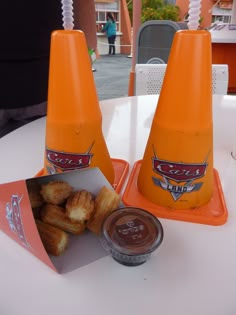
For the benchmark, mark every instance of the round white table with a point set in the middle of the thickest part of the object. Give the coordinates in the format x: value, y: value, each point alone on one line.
x: 193, y: 273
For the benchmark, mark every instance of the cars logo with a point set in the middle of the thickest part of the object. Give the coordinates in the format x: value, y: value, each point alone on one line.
x: 14, y: 219
x: 178, y: 178
x: 65, y: 161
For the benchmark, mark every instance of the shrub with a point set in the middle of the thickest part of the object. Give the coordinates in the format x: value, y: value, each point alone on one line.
x: 159, y: 10
x: 156, y: 10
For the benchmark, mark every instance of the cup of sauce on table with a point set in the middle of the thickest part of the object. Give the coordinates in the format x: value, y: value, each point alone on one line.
x: 130, y: 235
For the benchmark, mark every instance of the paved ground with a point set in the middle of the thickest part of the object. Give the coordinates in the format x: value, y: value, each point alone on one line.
x: 112, y: 76
x: 111, y: 79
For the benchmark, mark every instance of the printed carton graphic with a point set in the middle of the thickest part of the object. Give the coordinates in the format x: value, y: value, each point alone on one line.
x: 17, y: 219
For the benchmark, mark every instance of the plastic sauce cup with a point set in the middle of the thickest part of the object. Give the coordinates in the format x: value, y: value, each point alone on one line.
x: 130, y: 235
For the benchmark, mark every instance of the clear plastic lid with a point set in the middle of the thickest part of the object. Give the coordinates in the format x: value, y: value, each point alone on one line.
x: 130, y: 235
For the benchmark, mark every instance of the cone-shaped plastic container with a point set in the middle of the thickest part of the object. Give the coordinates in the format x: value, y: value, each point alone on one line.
x: 177, y: 167
x: 74, y: 137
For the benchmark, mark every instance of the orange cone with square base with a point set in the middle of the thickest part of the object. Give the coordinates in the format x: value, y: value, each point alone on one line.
x: 177, y: 167
x: 74, y: 137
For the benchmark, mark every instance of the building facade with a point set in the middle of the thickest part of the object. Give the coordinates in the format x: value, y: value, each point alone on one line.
x: 211, y: 11
x: 120, y: 11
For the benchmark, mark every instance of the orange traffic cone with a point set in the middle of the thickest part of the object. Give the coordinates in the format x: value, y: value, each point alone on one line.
x: 177, y: 167
x: 176, y: 179
x: 74, y: 137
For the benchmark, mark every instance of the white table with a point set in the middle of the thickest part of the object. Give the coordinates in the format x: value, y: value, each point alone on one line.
x: 194, y: 273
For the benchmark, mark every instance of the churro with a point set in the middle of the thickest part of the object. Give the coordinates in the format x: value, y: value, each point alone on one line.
x: 55, y: 215
x: 106, y: 201
x: 56, y: 192
x: 54, y: 240
x: 80, y: 206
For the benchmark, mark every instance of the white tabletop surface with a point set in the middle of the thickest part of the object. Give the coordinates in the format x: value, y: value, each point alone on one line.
x: 193, y: 273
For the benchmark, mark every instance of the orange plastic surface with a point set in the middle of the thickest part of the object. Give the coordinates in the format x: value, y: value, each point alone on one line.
x: 181, y: 134
x: 74, y: 119
x: 131, y: 83
x: 121, y: 168
x: 19, y: 223
x: 224, y: 53
x: 213, y: 213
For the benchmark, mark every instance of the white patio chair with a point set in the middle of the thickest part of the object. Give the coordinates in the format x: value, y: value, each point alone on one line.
x: 149, y: 78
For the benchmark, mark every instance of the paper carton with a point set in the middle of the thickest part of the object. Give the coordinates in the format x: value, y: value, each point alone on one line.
x: 17, y: 220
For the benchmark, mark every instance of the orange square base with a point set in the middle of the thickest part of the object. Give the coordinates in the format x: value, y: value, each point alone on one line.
x: 213, y: 213
x: 121, y: 168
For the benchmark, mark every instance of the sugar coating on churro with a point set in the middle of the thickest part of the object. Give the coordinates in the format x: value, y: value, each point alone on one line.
x: 80, y: 206
x: 56, y: 192
x: 106, y: 201
x: 55, y: 215
x: 63, y: 210
x: 54, y: 240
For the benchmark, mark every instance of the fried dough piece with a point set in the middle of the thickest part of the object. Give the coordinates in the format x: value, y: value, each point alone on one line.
x: 80, y: 206
x: 55, y: 216
x: 54, y: 240
x: 36, y: 213
x: 106, y: 201
x: 35, y: 198
x: 56, y: 192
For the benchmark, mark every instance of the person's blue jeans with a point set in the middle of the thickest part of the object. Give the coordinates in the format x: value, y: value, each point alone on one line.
x: 111, y: 42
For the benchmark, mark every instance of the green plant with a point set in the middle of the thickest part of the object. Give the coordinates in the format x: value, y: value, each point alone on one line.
x: 159, y: 10
x: 155, y: 10
x: 130, y: 9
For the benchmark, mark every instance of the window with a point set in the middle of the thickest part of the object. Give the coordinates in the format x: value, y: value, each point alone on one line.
x: 221, y: 18
x: 221, y: 15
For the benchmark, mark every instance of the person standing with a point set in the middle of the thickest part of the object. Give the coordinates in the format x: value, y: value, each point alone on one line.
x: 110, y: 29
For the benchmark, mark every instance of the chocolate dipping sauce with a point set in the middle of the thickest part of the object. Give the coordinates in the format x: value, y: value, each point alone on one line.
x: 130, y: 235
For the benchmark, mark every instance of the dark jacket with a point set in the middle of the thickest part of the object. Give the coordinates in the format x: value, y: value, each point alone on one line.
x: 25, y: 30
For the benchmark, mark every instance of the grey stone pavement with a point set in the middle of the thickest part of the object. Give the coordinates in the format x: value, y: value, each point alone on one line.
x: 112, y: 76
x: 111, y: 79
